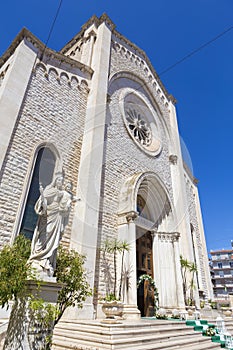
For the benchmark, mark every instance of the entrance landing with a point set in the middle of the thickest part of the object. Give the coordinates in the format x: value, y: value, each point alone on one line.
x: 129, y: 335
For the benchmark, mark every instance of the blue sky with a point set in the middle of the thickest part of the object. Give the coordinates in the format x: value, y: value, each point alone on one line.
x: 167, y: 31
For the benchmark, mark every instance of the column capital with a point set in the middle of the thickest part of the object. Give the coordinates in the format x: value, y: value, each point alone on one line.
x: 125, y: 218
x: 167, y: 236
x: 131, y: 216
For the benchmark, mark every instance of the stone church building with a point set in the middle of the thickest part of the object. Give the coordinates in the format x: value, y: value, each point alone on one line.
x: 97, y: 112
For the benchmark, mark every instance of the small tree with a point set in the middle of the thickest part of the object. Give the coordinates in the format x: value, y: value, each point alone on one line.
x: 114, y: 247
x: 70, y: 272
x: 14, y: 269
x: 124, y: 248
x: 193, y: 270
x: 188, y: 267
x: 184, y: 263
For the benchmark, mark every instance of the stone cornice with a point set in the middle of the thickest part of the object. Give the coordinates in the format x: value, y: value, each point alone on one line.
x: 167, y: 236
x: 190, y: 175
x: 128, y: 217
x: 93, y: 20
x: 26, y: 35
x: 104, y: 18
x: 145, y: 57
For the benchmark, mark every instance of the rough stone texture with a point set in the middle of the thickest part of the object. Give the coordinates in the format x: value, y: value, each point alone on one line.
x: 53, y: 111
x: 118, y: 142
x: 197, y: 237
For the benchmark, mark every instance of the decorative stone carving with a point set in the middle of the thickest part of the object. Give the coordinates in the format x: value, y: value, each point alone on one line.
x: 53, y: 208
x: 141, y: 121
x: 168, y: 236
x: 134, y: 55
x: 173, y: 159
x: 2, y: 74
x: 131, y: 216
x: 139, y: 127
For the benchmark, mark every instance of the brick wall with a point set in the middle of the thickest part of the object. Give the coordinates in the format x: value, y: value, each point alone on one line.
x: 123, y: 157
x: 53, y: 111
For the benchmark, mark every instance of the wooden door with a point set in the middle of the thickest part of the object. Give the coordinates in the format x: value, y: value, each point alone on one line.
x: 145, y: 267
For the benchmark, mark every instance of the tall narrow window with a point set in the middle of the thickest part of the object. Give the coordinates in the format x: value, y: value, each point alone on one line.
x: 42, y: 174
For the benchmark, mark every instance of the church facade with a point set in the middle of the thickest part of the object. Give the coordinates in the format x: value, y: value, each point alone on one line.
x: 98, y: 113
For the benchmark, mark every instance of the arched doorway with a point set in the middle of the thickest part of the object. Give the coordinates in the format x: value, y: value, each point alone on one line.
x: 153, y: 209
x: 149, y: 228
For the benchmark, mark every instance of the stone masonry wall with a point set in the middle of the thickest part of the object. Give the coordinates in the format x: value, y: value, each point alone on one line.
x: 194, y: 222
x: 53, y: 111
x: 123, y: 157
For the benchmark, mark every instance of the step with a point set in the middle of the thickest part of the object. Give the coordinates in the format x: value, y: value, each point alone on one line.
x: 198, y: 346
x: 158, y: 341
x: 144, y: 335
x: 124, y: 343
x: 203, y: 345
x: 98, y: 332
x: 123, y: 331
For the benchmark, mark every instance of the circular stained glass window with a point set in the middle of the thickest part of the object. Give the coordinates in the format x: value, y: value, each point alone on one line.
x: 138, y: 127
x: 141, y: 121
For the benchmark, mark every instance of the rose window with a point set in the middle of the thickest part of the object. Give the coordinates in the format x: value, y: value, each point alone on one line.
x: 138, y: 127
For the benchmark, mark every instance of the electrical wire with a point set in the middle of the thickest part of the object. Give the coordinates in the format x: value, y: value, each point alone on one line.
x: 52, y: 27
x: 188, y: 56
x: 195, y: 51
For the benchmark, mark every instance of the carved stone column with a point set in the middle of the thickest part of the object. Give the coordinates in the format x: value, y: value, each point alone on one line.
x: 179, y: 282
x: 167, y: 272
x: 127, y: 232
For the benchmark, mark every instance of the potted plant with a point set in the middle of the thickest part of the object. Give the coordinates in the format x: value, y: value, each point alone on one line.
x: 112, y: 305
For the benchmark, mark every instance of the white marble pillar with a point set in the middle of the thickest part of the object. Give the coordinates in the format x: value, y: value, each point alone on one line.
x: 127, y: 232
x: 167, y: 273
x: 85, y: 230
x: 12, y: 92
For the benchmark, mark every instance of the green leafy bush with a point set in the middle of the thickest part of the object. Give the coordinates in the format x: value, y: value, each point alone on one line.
x: 70, y: 272
x: 14, y: 273
x: 14, y: 269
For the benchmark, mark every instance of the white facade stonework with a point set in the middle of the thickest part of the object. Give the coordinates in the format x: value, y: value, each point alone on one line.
x: 100, y: 107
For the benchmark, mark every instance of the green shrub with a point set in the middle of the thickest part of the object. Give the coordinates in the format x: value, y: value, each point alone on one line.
x: 14, y: 269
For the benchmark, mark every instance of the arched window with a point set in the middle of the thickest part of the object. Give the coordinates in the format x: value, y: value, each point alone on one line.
x: 42, y: 174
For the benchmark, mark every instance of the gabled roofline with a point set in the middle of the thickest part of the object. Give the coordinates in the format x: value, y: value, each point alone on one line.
x: 147, y: 60
x: 25, y: 34
x: 93, y: 20
x: 189, y: 173
x: 104, y: 18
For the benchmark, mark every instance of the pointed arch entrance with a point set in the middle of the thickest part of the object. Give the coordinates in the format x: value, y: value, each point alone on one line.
x: 147, y: 221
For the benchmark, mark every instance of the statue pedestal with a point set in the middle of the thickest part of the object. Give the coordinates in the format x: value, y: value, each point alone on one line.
x: 23, y: 332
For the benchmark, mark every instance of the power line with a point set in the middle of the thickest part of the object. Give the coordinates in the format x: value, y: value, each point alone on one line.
x: 195, y: 51
x: 141, y: 86
x: 188, y: 56
x: 51, y: 29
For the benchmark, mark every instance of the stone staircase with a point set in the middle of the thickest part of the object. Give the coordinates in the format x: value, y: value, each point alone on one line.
x: 140, y: 335
x: 229, y: 325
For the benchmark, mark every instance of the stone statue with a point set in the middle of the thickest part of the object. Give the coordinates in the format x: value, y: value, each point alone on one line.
x: 53, y: 208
